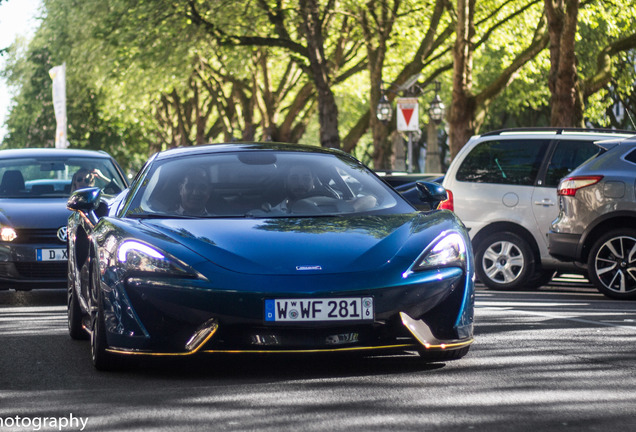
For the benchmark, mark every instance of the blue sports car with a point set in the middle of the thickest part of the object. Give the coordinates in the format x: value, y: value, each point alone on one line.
x: 266, y: 248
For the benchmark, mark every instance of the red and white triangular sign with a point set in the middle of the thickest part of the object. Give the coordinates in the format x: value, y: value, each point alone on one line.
x: 407, y: 114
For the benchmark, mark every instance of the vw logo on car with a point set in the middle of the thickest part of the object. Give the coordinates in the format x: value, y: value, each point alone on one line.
x: 61, y: 233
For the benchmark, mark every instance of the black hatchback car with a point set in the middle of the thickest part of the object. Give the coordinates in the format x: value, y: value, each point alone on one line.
x: 34, y: 187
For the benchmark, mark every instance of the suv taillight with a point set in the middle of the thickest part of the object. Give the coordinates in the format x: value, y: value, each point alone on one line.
x: 570, y: 185
x: 447, y: 204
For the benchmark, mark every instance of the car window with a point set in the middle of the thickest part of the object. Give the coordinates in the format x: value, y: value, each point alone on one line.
x: 53, y: 177
x: 567, y: 156
x: 631, y: 157
x: 515, y: 162
x: 262, y: 184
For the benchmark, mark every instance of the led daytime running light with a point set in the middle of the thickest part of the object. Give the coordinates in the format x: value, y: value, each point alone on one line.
x: 128, y: 246
x: 448, y: 250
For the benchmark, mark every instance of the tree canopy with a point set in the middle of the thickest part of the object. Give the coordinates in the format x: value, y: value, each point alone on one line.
x: 147, y: 75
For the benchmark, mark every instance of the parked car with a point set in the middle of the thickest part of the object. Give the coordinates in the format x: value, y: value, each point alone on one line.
x: 406, y: 185
x: 502, y: 185
x: 251, y: 247
x: 596, y: 225
x: 34, y: 187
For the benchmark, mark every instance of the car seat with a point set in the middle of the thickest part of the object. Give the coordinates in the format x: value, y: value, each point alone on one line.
x: 12, y: 182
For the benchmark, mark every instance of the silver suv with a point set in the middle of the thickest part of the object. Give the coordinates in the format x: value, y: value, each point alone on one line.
x: 502, y: 185
x: 596, y: 225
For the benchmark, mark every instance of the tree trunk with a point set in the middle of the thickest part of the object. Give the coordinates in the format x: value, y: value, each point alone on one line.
x: 566, y: 101
x: 462, y: 109
x: 327, y: 108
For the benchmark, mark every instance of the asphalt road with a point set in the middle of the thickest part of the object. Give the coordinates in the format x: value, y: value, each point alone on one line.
x: 558, y: 359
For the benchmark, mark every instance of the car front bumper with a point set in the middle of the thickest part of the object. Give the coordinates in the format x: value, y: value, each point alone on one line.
x: 432, y: 310
x: 21, y: 269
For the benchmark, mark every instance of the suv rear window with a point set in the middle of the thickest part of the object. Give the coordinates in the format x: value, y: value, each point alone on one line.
x: 631, y: 156
x: 514, y: 162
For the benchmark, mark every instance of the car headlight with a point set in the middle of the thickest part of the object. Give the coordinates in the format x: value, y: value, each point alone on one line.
x: 138, y: 257
x: 448, y: 251
x: 8, y: 234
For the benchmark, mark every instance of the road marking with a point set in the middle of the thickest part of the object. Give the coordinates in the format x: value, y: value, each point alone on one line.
x: 558, y: 316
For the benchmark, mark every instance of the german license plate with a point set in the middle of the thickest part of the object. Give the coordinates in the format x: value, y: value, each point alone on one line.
x: 324, y: 309
x: 51, y: 254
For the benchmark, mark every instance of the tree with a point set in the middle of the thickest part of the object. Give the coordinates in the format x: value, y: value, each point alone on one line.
x: 563, y: 80
x: 152, y: 74
x: 377, y: 34
x: 376, y: 21
x: 315, y: 27
x: 468, y: 109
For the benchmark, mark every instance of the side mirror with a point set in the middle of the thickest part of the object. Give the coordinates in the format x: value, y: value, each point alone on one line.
x: 86, y: 200
x: 431, y: 193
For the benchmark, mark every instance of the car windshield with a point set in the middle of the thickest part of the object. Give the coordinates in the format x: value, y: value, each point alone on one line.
x: 57, y: 177
x: 262, y: 184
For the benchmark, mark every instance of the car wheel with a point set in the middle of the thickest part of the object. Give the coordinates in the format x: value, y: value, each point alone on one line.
x: 504, y: 261
x: 74, y: 315
x: 612, y: 264
x: 102, y: 359
x: 540, y: 278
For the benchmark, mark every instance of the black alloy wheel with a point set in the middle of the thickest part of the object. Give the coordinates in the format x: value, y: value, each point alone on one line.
x: 612, y: 264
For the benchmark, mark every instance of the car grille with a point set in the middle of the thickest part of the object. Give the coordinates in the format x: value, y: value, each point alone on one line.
x: 35, y: 270
x: 33, y: 236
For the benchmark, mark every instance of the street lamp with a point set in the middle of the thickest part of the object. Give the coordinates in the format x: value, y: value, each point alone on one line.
x: 384, y: 112
x: 436, y: 110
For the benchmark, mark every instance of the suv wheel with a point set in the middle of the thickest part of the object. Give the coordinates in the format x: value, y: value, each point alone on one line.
x: 504, y: 261
x: 612, y: 264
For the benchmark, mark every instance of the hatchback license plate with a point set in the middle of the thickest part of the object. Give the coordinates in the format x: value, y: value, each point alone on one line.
x: 325, y: 309
x: 51, y: 255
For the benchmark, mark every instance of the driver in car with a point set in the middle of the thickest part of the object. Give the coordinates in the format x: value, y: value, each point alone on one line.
x: 194, y: 192
x: 85, y: 177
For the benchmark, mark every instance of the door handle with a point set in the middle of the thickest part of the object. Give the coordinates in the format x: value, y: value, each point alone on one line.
x: 546, y: 202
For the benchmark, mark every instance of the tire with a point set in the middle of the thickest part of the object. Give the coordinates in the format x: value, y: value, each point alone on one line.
x: 102, y: 359
x: 74, y: 315
x: 540, y: 278
x: 611, y: 264
x: 504, y: 261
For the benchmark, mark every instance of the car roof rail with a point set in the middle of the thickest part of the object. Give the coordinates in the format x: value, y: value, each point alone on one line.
x: 558, y: 130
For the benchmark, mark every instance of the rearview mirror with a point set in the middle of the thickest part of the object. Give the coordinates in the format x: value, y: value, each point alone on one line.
x: 431, y: 193
x: 84, y: 200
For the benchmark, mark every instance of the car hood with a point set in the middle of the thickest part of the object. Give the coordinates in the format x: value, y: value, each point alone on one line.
x: 39, y: 213
x: 293, y: 245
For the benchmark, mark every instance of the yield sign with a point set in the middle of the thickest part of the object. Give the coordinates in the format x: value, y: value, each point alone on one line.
x: 407, y: 115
